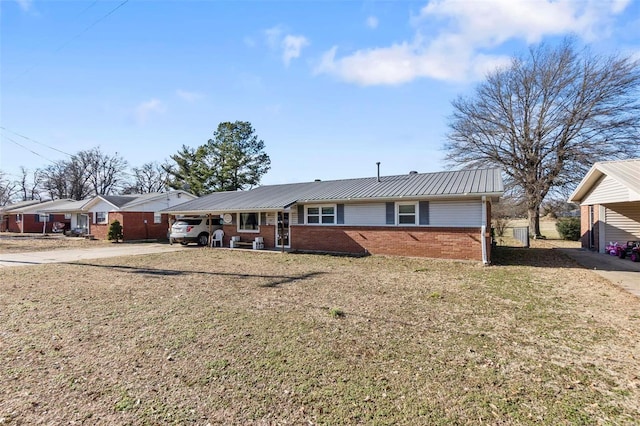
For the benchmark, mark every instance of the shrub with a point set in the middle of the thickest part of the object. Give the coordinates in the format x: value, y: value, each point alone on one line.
x: 115, y: 231
x: 500, y: 225
x: 569, y: 228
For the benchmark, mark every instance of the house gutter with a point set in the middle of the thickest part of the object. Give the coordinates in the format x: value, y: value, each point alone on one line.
x: 483, y: 232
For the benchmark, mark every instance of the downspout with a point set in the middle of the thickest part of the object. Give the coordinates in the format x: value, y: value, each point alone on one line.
x: 483, y: 231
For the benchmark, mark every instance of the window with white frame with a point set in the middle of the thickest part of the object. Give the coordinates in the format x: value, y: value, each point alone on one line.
x: 19, y: 217
x: 67, y: 216
x: 249, y: 222
x: 407, y: 213
x: 157, y: 217
x: 321, y: 215
x: 101, y: 217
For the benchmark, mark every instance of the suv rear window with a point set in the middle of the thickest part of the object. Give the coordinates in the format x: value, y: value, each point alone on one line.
x: 189, y: 221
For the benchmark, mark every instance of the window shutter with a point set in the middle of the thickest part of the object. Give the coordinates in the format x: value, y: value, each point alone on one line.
x: 37, y: 218
x: 300, y: 214
x: 391, y: 213
x: 340, y: 215
x: 263, y: 218
x: 423, y: 209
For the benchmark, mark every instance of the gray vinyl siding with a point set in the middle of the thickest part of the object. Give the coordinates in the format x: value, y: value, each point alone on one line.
x: 622, y: 222
x: 455, y: 213
x: 370, y: 214
x: 607, y: 190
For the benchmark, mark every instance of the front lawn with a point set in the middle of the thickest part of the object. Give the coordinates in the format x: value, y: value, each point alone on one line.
x: 229, y: 337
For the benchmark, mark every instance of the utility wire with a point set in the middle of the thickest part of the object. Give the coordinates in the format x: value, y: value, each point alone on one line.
x: 35, y: 141
x: 31, y: 151
x: 75, y: 37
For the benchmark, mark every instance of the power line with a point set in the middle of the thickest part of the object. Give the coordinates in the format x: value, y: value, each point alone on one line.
x: 35, y: 141
x: 63, y: 45
x: 24, y: 147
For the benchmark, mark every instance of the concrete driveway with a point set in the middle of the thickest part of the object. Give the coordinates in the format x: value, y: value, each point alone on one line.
x: 72, y: 255
x: 621, y: 272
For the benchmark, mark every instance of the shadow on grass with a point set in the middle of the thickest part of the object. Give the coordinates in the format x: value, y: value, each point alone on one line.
x: 276, y: 280
x: 537, y: 257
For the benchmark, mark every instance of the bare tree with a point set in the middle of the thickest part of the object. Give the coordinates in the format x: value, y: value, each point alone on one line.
x: 546, y: 118
x: 87, y: 173
x: 29, y: 184
x: 105, y: 173
x: 66, y: 179
x: 150, y: 177
x: 8, y: 189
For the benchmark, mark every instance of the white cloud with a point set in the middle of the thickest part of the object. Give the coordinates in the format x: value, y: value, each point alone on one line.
x: 372, y: 22
x: 189, y: 96
x: 146, y: 109
x: 290, y: 46
x: 24, y: 4
x: 454, y: 39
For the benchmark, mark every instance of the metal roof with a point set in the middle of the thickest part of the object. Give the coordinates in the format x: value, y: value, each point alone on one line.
x: 65, y: 206
x: 19, y: 205
x: 463, y: 183
x: 625, y: 172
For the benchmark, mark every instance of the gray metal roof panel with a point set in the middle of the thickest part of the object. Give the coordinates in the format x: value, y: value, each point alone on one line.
x: 420, y: 185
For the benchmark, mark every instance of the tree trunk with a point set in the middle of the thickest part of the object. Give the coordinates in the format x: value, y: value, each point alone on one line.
x: 533, y: 214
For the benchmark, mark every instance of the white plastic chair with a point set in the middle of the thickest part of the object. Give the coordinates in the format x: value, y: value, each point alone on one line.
x: 218, y: 234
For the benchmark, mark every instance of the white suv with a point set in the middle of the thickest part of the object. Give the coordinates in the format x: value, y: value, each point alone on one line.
x: 193, y: 230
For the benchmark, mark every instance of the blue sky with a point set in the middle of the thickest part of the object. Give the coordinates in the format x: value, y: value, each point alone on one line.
x: 331, y: 87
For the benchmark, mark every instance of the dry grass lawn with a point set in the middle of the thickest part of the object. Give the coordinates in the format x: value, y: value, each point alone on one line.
x: 211, y: 336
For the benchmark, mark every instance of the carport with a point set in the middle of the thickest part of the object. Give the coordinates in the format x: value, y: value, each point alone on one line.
x: 609, y: 198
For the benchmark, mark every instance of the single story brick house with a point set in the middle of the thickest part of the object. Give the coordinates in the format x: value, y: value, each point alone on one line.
x: 32, y: 216
x: 139, y: 214
x: 609, y: 198
x: 440, y: 215
x: 9, y: 215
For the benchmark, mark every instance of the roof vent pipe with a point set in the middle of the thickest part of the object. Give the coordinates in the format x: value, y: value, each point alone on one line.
x: 413, y: 172
x: 378, y: 164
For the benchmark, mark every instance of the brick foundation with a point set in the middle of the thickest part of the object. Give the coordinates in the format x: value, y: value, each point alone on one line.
x: 448, y: 243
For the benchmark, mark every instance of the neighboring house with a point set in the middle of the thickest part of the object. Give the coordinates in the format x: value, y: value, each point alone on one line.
x: 76, y: 219
x: 32, y: 216
x: 609, y: 198
x: 442, y: 215
x: 5, y: 214
x: 139, y: 214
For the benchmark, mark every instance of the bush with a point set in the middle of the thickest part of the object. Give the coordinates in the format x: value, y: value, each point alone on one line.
x: 115, y: 231
x: 569, y: 228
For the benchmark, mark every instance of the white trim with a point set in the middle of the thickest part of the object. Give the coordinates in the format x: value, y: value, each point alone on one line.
x: 248, y: 231
x: 483, y: 232
x: 601, y: 228
x: 416, y: 212
x: 320, y: 215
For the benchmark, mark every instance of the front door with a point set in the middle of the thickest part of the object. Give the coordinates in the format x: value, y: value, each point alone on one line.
x: 282, y: 230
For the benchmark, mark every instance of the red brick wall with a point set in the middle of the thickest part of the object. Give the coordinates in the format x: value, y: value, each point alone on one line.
x: 267, y: 232
x: 449, y: 243
x: 133, y: 226
x: 30, y: 225
x: 585, y: 227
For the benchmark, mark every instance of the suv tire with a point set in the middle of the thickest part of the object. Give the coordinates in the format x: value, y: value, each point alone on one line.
x: 203, y: 239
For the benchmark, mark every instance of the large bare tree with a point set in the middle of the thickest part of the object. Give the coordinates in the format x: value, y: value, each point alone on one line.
x: 89, y: 172
x: 148, y: 178
x: 546, y: 118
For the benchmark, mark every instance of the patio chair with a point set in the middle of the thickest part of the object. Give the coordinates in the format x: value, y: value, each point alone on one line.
x: 218, y: 234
